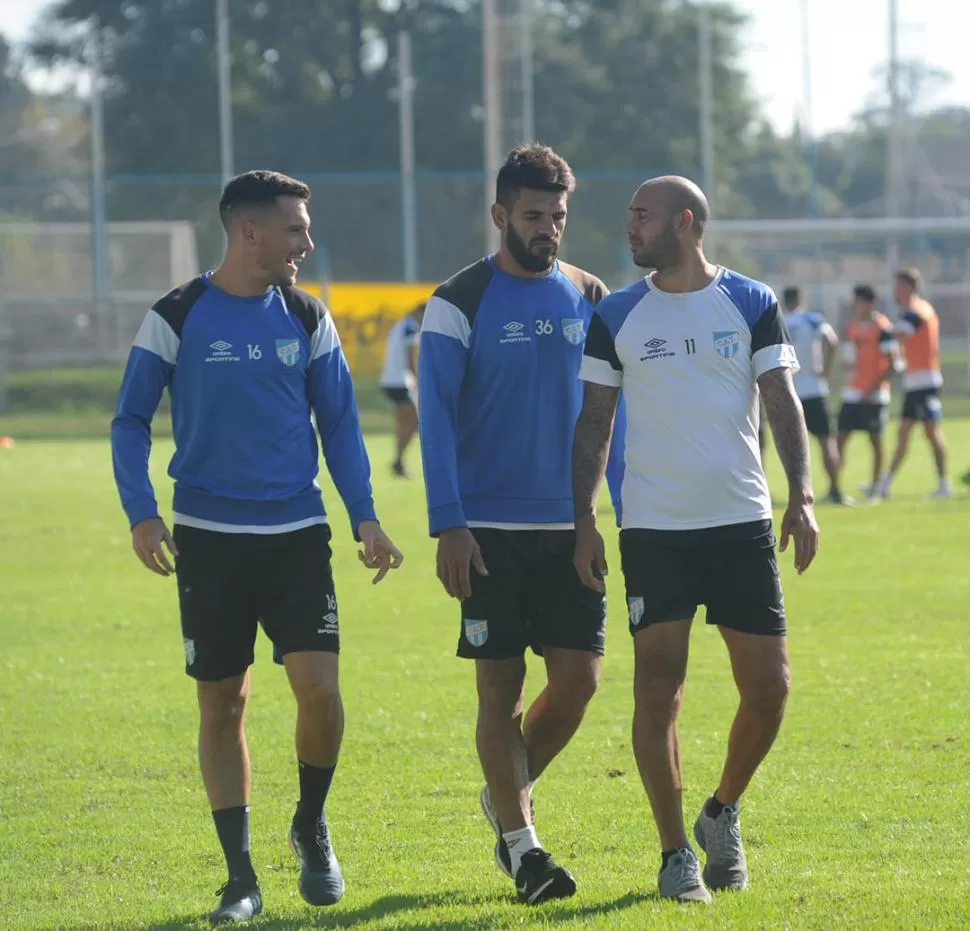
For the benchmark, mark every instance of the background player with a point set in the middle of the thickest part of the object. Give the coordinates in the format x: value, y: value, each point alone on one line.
x: 871, y: 353
x: 918, y: 327
x: 815, y: 345
x: 246, y: 356
x: 696, y: 509
x: 399, y: 380
x: 500, y: 355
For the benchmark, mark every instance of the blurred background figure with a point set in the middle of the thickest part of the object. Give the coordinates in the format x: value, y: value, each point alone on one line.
x: 399, y: 381
x: 815, y: 345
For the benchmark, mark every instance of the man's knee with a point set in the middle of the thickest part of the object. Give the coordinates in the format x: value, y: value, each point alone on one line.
x: 574, y: 686
x: 319, y: 698
x: 500, y: 687
x: 222, y: 705
x: 769, y: 690
x: 658, y: 688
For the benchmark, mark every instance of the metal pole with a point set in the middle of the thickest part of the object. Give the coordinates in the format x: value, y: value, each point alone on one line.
x: 226, y: 155
x: 894, y: 153
x: 706, y: 81
x: 528, y: 77
x: 810, y: 147
x: 99, y: 213
x: 491, y: 99
x: 409, y: 220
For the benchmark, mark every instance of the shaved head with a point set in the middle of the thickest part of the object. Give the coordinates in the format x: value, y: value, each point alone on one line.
x: 678, y: 194
x: 667, y: 217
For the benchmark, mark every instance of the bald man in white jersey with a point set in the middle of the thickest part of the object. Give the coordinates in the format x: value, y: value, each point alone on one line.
x: 692, y: 346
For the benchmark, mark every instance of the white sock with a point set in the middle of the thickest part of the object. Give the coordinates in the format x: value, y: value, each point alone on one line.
x: 519, y: 842
x: 945, y: 486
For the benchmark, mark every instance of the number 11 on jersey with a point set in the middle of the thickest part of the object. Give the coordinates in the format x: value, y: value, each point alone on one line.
x: 690, y: 347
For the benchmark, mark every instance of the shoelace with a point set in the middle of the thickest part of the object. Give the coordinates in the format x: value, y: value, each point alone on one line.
x: 537, y: 860
x: 727, y: 836
x: 232, y: 884
x: 323, y: 843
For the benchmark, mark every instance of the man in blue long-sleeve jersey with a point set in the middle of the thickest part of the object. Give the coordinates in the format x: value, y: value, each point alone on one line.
x: 247, y: 358
x: 501, y: 348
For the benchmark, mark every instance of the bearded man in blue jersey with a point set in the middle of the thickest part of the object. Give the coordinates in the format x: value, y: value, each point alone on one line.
x: 247, y: 358
x: 498, y: 372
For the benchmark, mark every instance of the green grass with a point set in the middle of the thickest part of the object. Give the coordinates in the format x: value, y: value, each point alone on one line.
x: 857, y: 820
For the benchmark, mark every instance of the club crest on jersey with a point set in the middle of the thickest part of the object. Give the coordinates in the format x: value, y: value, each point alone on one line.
x: 636, y: 611
x: 727, y: 342
x: 288, y: 351
x: 476, y: 632
x: 189, y: 646
x: 573, y: 330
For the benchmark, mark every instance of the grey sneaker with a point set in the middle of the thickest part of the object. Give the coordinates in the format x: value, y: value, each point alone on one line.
x: 720, y: 839
x: 681, y: 879
x: 502, y: 856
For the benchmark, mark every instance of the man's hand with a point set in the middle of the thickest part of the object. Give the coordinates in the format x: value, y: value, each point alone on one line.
x: 799, y: 522
x: 379, y: 552
x: 147, y: 539
x: 458, y: 551
x: 589, y: 557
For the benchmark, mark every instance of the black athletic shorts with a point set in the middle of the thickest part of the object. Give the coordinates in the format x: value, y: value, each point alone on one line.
x: 923, y: 405
x: 817, y: 417
x: 398, y: 396
x: 864, y: 416
x: 229, y: 583
x: 531, y: 597
x: 732, y: 570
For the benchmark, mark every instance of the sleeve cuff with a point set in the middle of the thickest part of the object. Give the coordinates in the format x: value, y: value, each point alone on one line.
x: 359, y: 512
x: 599, y: 372
x: 778, y: 356
x: 446, y: 517
x: 144, y: 510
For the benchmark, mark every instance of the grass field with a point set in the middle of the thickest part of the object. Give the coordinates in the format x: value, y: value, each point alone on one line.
x: 857, y: 820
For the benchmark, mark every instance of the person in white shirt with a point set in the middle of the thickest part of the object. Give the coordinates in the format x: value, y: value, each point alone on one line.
x: 399, y: 381
x: 816, y: 346
x: 691, y: 346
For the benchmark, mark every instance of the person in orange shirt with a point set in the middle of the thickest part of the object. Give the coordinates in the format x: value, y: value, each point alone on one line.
x: 870, y: 352
x: 918, y: 328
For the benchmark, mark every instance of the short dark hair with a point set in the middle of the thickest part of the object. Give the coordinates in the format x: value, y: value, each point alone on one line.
x: 912, y: 277
x: 258, y: 189
x: 864, y: 293
x: 792, y: 296
x: 534, y: 168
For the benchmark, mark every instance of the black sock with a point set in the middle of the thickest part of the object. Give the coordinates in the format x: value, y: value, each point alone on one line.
x: 666, y: 855
x: 232, y: 826
x: 713, y: 808
x: 314, y: 787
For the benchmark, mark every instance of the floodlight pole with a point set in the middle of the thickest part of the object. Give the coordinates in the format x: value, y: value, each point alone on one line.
x: 405, y: 92
x: 226, y: 154
x: 491, y: 100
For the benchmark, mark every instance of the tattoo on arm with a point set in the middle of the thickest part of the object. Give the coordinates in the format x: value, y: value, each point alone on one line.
x: 591, y: 445
x: 788, y: 428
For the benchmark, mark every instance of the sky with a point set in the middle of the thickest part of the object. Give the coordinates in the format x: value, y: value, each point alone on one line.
x: 848, y: 41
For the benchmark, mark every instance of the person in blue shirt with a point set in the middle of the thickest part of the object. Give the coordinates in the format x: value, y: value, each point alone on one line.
x: 247, y: 358
x: 498, y: 370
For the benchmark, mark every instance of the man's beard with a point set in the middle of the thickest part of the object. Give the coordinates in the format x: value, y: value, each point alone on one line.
x: 662, y: 252
x: 526, y: 258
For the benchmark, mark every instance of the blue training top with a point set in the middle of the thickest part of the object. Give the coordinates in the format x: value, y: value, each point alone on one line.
x: 500, y: 394
x: 244, y: 375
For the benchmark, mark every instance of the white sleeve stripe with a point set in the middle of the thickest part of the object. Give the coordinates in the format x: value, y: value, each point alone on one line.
x: 778, y: 356
x: 905, y: 328
x: 600, y: 372
x: 443, y: 318
x: 156, y: 336
x: 826, y: 328
x: 325, y: 339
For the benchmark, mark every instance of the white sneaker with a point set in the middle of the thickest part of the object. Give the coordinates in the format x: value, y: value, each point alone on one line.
x: 944, y: 492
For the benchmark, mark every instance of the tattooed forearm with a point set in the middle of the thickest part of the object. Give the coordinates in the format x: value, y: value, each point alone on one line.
x: 788, y: 429
x: 591, y: 445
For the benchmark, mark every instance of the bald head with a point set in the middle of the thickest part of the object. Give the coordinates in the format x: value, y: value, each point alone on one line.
x: 676, y: 194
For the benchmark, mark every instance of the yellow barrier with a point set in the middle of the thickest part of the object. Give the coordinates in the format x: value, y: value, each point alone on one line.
x: 364, y: 312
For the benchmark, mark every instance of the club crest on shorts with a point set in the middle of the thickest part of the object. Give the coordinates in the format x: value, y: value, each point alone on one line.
x: 476, y: 632
x: 636, y: 610
x: 727, y: 342
x: 573, y: 330
x: 288, y: 351
x: 189, y: 646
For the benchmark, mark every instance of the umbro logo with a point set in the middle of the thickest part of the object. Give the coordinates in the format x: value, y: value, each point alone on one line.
x: 514, y: 333
x: 220, y: 345
x: 656, y: 349
x: 222, y: 352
